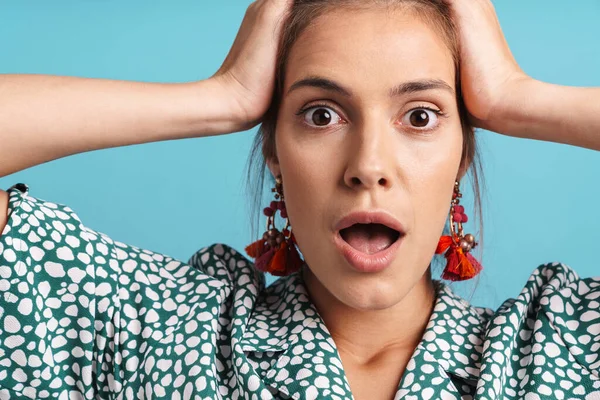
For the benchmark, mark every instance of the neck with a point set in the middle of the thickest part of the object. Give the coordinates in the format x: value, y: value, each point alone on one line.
x: 367, y: 335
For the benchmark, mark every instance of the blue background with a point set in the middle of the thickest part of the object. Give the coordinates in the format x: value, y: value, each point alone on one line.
x: 541, y: 200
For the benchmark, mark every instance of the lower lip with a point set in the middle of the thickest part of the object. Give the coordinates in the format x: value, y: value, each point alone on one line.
x: 363, y: 262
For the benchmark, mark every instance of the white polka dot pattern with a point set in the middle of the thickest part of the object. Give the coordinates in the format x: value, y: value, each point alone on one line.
x: 84, y: 317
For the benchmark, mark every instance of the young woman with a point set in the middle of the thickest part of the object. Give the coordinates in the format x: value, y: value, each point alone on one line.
x: 367, y: 116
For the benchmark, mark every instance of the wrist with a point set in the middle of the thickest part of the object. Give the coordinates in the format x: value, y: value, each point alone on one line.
x: 512, y: 107
x: 236, y: 104
x: 211, y: 109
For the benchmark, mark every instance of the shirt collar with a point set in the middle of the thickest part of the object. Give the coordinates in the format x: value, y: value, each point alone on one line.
x: 286, y: 324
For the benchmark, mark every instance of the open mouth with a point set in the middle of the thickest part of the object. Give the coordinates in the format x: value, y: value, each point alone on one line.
x: 369, y: 238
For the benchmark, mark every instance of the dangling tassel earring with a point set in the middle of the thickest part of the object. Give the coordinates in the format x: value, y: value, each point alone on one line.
x: 276, y: 251
x: 461, y: 265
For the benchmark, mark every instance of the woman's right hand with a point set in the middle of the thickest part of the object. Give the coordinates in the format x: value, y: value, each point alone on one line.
x: 248, y: 72
x: 57, y: 116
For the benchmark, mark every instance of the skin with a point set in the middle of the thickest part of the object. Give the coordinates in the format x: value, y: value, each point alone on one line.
x: 369, y: 156
x: 375, y: 320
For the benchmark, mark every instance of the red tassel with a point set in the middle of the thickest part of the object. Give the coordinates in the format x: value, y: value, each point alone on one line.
x: 475, y: 264
x: 256, y: 249
x: 294, y: 262
x: 453, y: 264
x: 277, y: 264
x: 459, y: 266
x: 279, y: 261
x: 443, y: 244
x: 285, y: 261
x: 262, y: 262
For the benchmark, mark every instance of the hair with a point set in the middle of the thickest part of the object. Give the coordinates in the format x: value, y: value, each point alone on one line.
x: 435, y: 13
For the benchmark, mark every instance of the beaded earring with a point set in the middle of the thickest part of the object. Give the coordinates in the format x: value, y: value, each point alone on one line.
x: 276, y: 251
x: 460, y: 265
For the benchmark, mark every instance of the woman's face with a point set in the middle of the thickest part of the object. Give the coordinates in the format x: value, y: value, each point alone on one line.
x: 359, y: 130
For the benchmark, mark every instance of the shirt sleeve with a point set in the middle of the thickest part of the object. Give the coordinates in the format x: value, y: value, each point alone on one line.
x: 79, y: 311
x: 571, y: 306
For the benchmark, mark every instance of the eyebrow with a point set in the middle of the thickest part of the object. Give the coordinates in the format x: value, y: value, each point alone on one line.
x: 398, y: 90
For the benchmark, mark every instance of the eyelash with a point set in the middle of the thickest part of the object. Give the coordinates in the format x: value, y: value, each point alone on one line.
x: 439, y: 113
x: 305, y: 109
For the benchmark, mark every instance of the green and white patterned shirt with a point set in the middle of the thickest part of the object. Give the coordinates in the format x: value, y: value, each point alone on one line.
x: 85, y: 317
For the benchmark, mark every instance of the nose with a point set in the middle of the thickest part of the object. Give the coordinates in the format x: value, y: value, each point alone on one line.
x: 370, y: 159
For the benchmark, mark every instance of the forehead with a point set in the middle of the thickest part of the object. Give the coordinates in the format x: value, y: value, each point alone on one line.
x: 370, y: 50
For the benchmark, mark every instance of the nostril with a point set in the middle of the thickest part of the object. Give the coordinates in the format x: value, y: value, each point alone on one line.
x: 355, y: 181
x: 383, y: 182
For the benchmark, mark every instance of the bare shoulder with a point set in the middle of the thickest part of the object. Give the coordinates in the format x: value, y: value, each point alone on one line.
x: 3, y: 209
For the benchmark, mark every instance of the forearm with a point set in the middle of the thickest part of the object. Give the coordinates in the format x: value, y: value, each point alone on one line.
x: 43, y: 118
x: 544, y: 111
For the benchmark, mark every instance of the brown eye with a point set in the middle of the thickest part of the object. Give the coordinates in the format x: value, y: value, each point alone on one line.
x: 423, y: 118
x: 321, y: 116
x: 419, y: 118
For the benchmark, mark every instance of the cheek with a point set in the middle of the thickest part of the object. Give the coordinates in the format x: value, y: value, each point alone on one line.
x: 308, y: 176
x: 312, y: 168
x: 432, y: 189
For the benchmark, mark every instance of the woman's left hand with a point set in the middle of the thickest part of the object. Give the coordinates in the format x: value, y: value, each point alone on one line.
x: 488, y: 69
x: 500, y: 97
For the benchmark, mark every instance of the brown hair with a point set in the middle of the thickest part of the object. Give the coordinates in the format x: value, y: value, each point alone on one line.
x: 436, y: 13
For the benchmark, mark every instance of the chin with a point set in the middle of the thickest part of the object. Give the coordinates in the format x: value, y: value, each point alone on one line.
x: 371, y: 292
